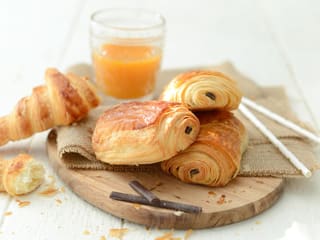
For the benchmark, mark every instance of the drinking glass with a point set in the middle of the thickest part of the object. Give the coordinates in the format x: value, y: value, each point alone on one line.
x: 126, y: 47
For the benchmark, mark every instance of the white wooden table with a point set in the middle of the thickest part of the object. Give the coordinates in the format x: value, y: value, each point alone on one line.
x: 273, y: 42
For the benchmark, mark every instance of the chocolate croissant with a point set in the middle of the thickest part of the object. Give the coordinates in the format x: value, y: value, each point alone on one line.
x: 143, y: 132
x: 63, y: 100
x: 20, y: 175
x: 214, y: 158
x: 203, y: 90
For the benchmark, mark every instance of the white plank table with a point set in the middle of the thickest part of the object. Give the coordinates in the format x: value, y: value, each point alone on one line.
x: 273, y: 42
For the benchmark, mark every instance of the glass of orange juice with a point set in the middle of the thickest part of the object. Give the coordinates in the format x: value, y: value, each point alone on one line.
x: 126, y: 52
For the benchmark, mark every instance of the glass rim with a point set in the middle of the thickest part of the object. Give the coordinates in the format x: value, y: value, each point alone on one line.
x: 96, y: 13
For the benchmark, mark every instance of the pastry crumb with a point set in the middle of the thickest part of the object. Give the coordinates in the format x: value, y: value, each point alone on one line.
x: 86, y: 232
x: 103, y: 238
x: 168, y: 236
x: 118, y: 232
x: 49, y: 192
x: 257, y: 222
x: 212, y: 193
x: 63, y: 189
x: 165, y: 236
x: 187, y: 234
x: 50, y: 188
x: 7, y: 213
x: 58, y: 201
x: 222, y: 199
x: 22, y: 204
x: 136, y: 206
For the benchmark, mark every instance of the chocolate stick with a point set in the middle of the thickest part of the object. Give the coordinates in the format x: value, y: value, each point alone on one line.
x: 162, y: 204
x: 135, y: 185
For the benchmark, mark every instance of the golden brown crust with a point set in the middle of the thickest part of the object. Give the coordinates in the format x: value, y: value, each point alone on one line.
x: 183, y: 77
x: 214, y: 158
x: 203, y: 90
x: 3, y: 166
x: 40, y: 97
x: 143, y: 132
x: 63, y: 100
x: 22, y: 175
x: 134, y: 115
x: 72, y: 103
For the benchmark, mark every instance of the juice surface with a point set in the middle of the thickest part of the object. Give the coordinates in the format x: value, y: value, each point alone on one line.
x: 126, y: 72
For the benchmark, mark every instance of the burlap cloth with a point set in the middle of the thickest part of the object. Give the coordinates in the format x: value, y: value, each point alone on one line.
x: 260, y: 159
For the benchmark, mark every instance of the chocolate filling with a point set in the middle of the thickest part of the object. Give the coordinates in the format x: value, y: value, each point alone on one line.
x: 188, y: 130
x: 211, y: 95
x: 194, y: 172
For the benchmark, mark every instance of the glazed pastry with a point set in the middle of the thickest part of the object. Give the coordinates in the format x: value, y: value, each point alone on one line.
x: 21, y: 175
x: 143, y: 132
x: 63, y: 100
x: 214, y: 158
x: 203, y: 90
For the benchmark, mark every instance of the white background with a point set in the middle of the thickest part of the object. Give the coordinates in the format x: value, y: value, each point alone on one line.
x: 273, y: 42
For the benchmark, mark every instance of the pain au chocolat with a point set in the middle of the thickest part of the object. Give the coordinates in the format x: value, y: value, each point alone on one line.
x: 203, y: 90
x: 136, y: 133
x: 214, y: 158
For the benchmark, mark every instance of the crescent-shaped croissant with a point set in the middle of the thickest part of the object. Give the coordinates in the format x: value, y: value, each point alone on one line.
x: 203, y: 90
x: 214, y: 158
x: 20, y: 175
x: 143, y: 132
x: 63, y: 100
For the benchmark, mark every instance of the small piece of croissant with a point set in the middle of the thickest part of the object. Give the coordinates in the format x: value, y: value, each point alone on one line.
x: 20, y: 175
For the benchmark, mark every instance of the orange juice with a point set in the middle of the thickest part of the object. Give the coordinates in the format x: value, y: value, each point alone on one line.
x: 126, y: 72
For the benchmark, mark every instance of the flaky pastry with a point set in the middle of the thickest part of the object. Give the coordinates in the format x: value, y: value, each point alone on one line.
x: 143, y: 132
x: 63, y: 100
x: 3, y: 165
x: 214, y: 158
x: 22, y: 175
x: 203, y: 90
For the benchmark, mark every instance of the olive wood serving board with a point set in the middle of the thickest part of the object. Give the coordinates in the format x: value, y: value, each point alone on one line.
x: 241, y: 199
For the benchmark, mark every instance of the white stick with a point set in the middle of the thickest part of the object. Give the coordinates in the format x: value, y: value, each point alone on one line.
x: 282, y: 148
x: 281, y: 120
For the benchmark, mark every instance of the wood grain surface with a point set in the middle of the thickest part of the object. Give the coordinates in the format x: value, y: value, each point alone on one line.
x: 241, y: 199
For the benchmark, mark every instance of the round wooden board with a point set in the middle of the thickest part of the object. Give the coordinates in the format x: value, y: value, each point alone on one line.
x: 244, y: 197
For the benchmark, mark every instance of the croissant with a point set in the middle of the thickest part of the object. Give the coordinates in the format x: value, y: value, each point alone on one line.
x: 214, y: 158
x: 143, y: 132
x: 20, y: 175
x: 203, y: 90
x: 63, y: 100
x: 3, y: 166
